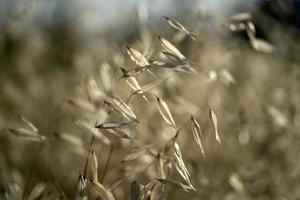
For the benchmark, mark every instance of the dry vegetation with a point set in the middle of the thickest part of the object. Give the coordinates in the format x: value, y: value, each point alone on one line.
x: 181, y: 113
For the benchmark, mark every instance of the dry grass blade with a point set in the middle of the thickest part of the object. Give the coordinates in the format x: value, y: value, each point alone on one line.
x: 37, y: 191
x: 81, y: 193
x: 100, y: 190
x: 165, y: 112
x: 137, y: 57
x: 171, y: 48
x: 111, y: 125
x: 175, y: 184
x: 215, y: 123
x: 27, y: 134
x: 196, y: 129
x: 94, y: 166
x: 178, y: 26
x: 28, y: 123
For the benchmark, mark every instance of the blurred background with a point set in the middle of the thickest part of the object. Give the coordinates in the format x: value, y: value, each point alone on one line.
x: 49, y: 48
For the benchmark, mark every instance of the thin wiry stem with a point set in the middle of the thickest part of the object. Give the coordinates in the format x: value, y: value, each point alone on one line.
x: 108, y: 160
x: 87, y: 160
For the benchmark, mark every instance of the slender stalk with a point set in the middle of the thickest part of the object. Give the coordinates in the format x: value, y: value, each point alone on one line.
x: 87, y: 160
x: 108, y: 160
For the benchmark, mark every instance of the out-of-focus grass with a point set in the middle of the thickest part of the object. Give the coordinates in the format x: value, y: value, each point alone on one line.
x: 258, y: 116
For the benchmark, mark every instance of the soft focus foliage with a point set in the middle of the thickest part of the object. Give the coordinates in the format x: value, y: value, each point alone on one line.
x: 64, y: 100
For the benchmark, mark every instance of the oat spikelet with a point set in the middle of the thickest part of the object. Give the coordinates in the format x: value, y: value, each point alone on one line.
x: 134, y: 71
x: 137, y: 57
x: 258, y: 44
x: 165, y: 112
x: 81, y: 193
x: 27, y: 134
x: 197, y: 132
x: 28, y: 123
x: 178, y: 26
x: 124, y: 108
x: 180, y: 165
x: 171, y: 48
x: 171, y: 56
x: 133, y: 83
x: 215, y: 123
x: 121, y: 107
x: 262, y: 45
x: 112, y: 125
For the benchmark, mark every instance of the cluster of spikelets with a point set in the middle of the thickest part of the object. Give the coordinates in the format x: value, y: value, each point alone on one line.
x: 109, y: 118
x: 102, y: 103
